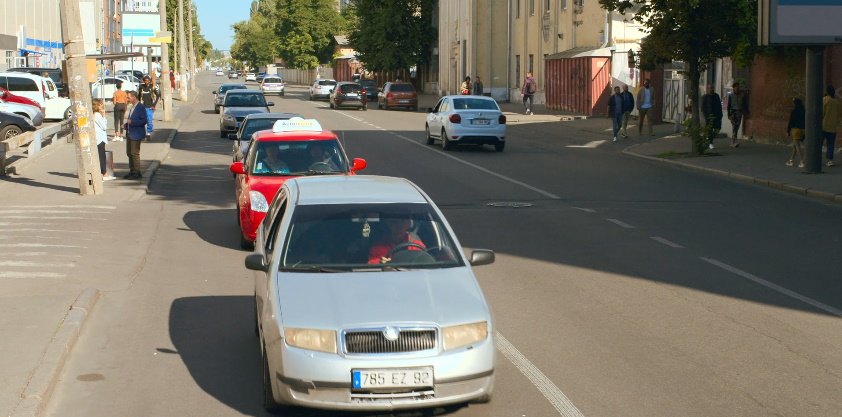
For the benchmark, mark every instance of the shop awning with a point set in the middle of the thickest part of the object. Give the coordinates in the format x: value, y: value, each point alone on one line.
x: 30, y: 51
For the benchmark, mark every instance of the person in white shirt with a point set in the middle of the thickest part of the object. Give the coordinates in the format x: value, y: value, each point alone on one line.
x: 645, y: 102
x: 100, y: 129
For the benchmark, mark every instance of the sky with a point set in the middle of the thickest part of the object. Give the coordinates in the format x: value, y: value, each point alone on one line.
x: 216, y: 18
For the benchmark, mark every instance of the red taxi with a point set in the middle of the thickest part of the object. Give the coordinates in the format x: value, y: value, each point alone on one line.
x: 294, y: 147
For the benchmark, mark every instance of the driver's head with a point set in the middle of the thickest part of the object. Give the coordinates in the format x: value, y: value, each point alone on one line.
x: 271, y: 151
x: 398, y: 227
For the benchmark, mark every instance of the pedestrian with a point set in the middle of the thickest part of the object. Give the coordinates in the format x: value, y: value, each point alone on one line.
x: 615, y: 110
x: 478, y: 87
x: 149, y: 96
x: 831, y: 113
x: 628, y: 106
x: 528, y: 89
x: 712, y: 110
x: 135, y: 133
x: 172, y: 80
x: 101, y: 131
x: 120, y: 100
x: 737, y: 109
x: 465, y: 88
x: 795, y: 131
x: 645, y: 102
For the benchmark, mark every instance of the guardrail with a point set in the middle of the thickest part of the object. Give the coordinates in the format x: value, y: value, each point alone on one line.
x: 29, y: 144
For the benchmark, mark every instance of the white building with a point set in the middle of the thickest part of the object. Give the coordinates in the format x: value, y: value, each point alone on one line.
x: 30, y: 34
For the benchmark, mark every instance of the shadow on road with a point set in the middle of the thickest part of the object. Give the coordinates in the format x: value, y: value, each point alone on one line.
x: 217, y: 227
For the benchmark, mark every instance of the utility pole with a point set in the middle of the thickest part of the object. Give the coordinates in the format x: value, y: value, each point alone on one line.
x: 192, y: 50
x: 813, y: 110
x: 84, y: 137
x: 182, y: 52
x: 166, y: 88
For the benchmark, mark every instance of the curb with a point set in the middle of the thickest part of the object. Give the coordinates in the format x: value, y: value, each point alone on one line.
x: 789, y: 188
x: 44, y: 377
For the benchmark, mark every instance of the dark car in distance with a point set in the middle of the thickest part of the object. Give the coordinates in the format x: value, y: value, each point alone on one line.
x: 252, y: 123
x: 370, y: 87
x: 12, y: 125
x: 237, y: 105
x: 397, y: 94
x: 348, y: 94
x: 53, y: 73
x: 220, y: 94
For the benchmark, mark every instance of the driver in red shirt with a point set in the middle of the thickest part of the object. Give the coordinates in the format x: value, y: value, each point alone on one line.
x: 399, y: 234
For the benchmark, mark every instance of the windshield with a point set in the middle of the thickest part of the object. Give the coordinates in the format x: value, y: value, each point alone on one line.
x: 474, y: 104
x: 403, y: 88
x: 224, y: 88
x: 350, y: 88
x: 297, y: 158
x: 366, y: 237
x: 245, y: 100
x: 327, y: 82
x: 254, y: 125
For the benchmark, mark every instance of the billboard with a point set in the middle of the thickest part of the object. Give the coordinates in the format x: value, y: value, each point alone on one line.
x: 139, y: 27
x: 800, y: 22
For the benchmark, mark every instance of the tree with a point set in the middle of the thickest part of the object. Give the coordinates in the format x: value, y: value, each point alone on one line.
x: 695, y: 32
x: 255, y: 41
x: 306, y: 29
x: 393, y: 34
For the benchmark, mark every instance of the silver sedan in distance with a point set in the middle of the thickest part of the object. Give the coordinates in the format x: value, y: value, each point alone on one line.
x: 364, y: 300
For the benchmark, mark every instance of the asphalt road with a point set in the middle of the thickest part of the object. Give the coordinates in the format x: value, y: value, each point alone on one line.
x: 621, y: 287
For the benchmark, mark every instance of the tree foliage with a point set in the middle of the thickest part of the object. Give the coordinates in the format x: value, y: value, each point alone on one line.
x: 695, y: 32
x: 306, y: 29
x: 393, y: 34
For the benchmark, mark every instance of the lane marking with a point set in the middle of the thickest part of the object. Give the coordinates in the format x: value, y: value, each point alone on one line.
x: 49, y: 230
x: 10, y: 274
x: 25, y: 264
x: 620, y: 223
x: 551, y: 392
x: 51, y: 218
x: 666, y: 242
x: 586, y: 210
x: 38, y: 245
x: 49, y: 212
x: 51, y: 255
x: 592, y: 144
x: 774, y: 287
x: 65, y: 206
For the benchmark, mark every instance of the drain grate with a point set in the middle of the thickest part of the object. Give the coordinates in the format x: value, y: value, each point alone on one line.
x: 509, y: 204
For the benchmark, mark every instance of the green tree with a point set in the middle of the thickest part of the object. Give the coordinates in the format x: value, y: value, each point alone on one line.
x: 393, y: 34
x: 305, y: 29
x: 254, y: 41
x: 695, y: 32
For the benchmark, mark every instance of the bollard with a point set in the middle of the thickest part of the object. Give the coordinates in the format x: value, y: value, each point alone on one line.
x: 109, y: 162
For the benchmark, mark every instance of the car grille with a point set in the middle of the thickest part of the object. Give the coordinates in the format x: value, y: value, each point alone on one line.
x: 373, y: 341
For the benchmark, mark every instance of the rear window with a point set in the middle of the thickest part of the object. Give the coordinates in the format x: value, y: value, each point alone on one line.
x: 21, y: 84
x: 268, y: 80
x: 244, y: 100
x: 327, y: 82
x: 474, y: 103
x: 403, y: 88
x: 350, y: 88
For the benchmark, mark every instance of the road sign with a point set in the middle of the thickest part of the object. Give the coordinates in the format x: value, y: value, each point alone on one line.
x: 167, y: 39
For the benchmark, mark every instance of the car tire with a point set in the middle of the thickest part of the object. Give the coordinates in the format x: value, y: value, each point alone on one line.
x: 282, y: 93
x: 331, y: 105
x: 216, y: 109
x: 445, y: 143
x: 269, y: 403
x: 430, y: 139
x: 379, y: 105
x: 68, y: 114
x: 9, y: 132
x: 256, y: 329
x: 385, y: 106
x: 500, y: 146
x: 223, y: 134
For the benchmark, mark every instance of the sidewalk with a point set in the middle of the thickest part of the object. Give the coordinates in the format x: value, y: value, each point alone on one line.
x: 57, y: 247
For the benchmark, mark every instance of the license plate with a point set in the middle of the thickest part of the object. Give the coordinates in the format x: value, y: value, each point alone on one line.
x: 352, y: 94
x: 392, y: 378
x: 403, y: 101
x: 480, y: 121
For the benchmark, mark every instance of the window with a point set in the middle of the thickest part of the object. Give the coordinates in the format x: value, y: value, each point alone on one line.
x: 517, y: 71
x: 532, y: 7
x: 530, y: 66
x: 21, y: 84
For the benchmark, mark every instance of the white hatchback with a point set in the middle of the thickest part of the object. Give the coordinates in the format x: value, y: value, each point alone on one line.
x: 462, y: 119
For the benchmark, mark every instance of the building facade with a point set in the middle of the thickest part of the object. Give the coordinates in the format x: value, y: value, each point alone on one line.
x: 30, y: 34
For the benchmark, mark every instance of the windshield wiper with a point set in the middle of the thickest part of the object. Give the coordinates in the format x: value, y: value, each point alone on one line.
x: 312, y: 268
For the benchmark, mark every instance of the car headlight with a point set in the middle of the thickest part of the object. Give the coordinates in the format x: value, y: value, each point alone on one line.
x: 311, y: 339
x: 258, y: 202
x: 229, y: 118
x: 464, y: 334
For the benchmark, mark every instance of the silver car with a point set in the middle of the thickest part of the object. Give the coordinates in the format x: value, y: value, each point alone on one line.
x: 463, y: 119
x: 365, y: 301
x: 33, y: 115
x: 236, y: 105
x: 219, y: 94
x: 272, y: 85
x: 320, y: 89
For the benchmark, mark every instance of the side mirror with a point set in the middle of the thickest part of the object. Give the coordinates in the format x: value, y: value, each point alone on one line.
x: 255, y: 262
x: 482, y: 257
x: 429, y: 109
x: 237, y: 168
x: 233, y: 136
x: 270, y: 104
x: 358, y: 164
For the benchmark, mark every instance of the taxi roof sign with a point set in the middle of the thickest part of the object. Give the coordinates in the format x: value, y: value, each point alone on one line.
x: 297, y: 124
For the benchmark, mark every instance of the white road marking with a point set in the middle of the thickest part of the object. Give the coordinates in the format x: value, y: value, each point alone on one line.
x: 551, y: 392
x: 49, y: 230
x: 666, y: 242
x: 12, y: 274
x: 351, y: 117
x: 591, y: 144
x: 774, y: 287
x: 586, y: 210
x: 51, y: 255
x: 66, y: 206
x: 37, y: 245
x: 50, y: 212
x: 620, y: 223
x: 51, y: 217
x: 24, y: 264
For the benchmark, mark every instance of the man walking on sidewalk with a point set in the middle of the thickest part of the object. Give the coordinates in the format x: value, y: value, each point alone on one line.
x: 737, y: 108
x: 645, y: 102
x: 615, y: 111
x: 135, y: 132
x: 628, y: 106
x: 149, y: 96
x: 712, y: 111
x: 528, y: 90
x: 831, y: 113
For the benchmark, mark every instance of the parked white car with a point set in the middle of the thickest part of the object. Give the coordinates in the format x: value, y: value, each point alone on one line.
x: 320, y: 89
x: 33, y: 87
x: 104, y: 87
x: 461, y: 119
x: 58, y: 108
x: 30, y: 113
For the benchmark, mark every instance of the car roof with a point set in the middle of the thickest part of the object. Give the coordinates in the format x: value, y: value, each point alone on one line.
x: 21, y: 74
x: 355, y: 189
x: 294, y: 136
x: 272, y: 116
x: 470, y: 96
x: 233, y: 84
x: 244, y: 91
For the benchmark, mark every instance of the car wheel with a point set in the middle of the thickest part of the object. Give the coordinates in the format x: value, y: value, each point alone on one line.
x: 379, y: 105
x: 282, y: 93
x: 216, y: 109
x: 256, y: 329
x: 445, y: 143
x: 385, y: 106
x: 331, y: 105
x: 430, y: 139
x: 10, y: 132
x: 223, y: 134
x: 500, y: 146
x: 269, y: 402
x: 68, y: 114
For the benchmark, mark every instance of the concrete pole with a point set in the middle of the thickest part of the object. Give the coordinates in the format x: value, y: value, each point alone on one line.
x: 813, y: 110
x: 166, y: 89
x: 182, y: 52
x: 192, y: 59
x: 84, y: 136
